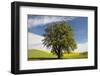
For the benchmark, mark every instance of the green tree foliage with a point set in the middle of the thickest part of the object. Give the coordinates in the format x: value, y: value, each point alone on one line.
x: 59, y: 36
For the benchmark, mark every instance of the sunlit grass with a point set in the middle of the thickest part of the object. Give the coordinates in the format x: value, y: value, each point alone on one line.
x: 34, y: 54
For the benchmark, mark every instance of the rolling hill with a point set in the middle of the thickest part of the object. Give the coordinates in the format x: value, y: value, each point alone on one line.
x: 39, y: 54
x: 34, y: 54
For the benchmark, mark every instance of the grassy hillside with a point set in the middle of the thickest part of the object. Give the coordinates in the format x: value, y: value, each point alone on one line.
x: 34, y: 54
x: 39, y: 54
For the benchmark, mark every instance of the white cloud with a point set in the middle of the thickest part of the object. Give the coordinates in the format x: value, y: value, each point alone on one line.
x: 82, y: 47
x: 35, y: 42
x: 41, y: 20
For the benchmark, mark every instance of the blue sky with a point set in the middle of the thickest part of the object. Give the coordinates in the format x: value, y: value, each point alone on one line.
x: 37, y: 24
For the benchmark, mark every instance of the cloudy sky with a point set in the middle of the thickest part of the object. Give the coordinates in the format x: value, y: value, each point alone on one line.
x: 37, y: 24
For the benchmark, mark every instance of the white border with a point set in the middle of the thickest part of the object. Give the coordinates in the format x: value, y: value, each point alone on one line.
x: 26, y: 65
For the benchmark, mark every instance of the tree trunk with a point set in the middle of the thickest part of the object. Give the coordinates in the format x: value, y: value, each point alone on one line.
x: 59, y: 54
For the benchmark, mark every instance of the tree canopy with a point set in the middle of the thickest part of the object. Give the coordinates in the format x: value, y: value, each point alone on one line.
x: 59, y: 37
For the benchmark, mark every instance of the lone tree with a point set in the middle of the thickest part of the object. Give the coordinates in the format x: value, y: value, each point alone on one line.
x: 59, y: 37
